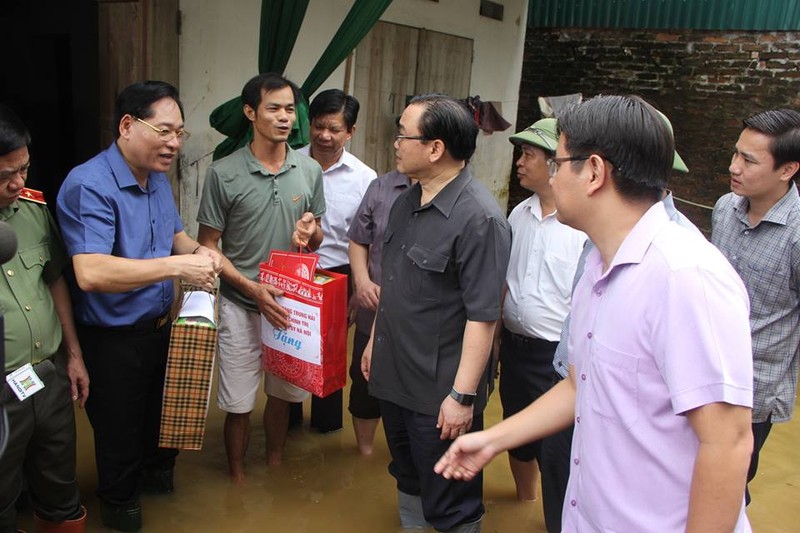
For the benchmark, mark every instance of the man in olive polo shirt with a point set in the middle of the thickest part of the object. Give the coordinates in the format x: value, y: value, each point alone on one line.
x: 265, y: 196
x: 445, y: 255
x: 36, y: 306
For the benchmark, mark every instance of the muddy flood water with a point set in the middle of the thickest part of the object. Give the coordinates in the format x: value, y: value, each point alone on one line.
x: 325, y: 486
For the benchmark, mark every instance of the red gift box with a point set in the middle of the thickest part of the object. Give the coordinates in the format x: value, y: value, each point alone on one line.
x: 312, y: 352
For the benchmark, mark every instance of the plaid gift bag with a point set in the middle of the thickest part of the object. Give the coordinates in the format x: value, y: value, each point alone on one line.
x: 187, y: 384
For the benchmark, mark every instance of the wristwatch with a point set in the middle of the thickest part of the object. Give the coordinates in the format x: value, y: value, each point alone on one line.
x: 463, y: 398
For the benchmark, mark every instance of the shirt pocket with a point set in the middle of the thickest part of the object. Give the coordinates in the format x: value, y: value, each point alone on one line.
x: 613, y: 386
x: 426, y: 274
x: 772, y: 280
x: 34, y: 259
x: 558, y: 275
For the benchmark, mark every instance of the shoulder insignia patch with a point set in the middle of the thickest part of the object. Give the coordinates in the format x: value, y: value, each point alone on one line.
x: 32, y: 195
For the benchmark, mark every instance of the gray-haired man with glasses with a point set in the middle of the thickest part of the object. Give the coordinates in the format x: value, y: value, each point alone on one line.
x: 127, y: 245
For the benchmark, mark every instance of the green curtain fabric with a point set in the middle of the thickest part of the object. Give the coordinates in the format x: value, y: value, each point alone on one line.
x: 280, y: 25
x: 359, y: 20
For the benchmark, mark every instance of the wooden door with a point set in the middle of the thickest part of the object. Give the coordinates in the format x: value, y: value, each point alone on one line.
x: 394, y: 63
x: 444, y: 64
x: 138, y: 41
x: 384, y: 75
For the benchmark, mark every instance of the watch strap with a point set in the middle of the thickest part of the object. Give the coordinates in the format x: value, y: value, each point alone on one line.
x: 462, y: 398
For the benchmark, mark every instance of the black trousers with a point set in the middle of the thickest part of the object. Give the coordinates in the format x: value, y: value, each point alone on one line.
x: 554, y: 467
x: 760, y: 433
x: 526, y: 372
x: 126, y: 367
x: 415, y: 447
x: 326, y: 413
x: 361, y: 404
x: 41, y: 449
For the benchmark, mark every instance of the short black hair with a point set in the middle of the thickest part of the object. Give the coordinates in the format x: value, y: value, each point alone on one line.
x: 627, y: 132
x: 13, y: 132
x: 266, y: 82
x: 334, y: 101
x: 138, y: 98
x: 448, y: 120
x: 783, y: 128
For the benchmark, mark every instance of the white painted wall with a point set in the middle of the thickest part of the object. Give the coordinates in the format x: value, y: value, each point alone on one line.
x: 218, y: 54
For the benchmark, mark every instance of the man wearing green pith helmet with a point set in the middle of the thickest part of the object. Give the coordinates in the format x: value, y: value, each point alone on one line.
x: 544, y: 256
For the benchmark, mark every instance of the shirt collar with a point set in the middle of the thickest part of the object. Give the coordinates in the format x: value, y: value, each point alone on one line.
x: 122, y: 172
x: 397, y: 180
x: 669, y: 203
x: 534, y: 205
x: 254, y: 166
x: 345, y: 160
x: 9, y: 210
x: 777, y: 214
x: 637, y: 242
x: 446, y: 199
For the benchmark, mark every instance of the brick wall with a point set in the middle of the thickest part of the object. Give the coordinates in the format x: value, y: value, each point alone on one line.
x: 706, y: 82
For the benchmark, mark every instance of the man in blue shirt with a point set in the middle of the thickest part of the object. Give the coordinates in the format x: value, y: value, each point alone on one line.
x: 127, y: 245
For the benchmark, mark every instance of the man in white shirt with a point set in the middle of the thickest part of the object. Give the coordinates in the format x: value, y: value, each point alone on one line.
x: 544, y: 257
x: 345, y: 178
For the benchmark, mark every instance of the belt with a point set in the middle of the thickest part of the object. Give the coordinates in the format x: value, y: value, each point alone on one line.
x: 151, y: 324
x: 51, y: 358
x: 522, y: 340
x: 144, y: 325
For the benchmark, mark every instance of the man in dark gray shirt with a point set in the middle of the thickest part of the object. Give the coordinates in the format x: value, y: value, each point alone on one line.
x: 365, y: 250
x: 446, y: 250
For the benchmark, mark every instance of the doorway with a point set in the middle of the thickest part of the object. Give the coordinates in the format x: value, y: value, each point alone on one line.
x: 49, y: 78
x: 64, y: 66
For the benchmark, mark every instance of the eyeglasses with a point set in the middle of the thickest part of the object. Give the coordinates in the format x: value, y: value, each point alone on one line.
x: 166, y: 135
x: 554, y: 163
x: 400, y: 138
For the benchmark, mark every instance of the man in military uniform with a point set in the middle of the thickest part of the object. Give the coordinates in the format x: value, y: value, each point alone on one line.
x: 41, y: 346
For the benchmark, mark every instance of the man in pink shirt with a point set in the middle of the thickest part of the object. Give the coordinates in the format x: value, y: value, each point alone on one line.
x: 660, y: 387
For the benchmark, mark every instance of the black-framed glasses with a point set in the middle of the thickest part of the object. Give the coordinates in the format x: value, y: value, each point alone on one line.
x: 166, y: 135
x: 554, y: 163
x: 400, y: 138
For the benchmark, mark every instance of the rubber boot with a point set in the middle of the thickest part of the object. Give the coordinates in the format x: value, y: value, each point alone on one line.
x: 410, y: 508
x: 156, y: 481
x: 472, y: 527
x: 126, y: 517
x: 76, y: 525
